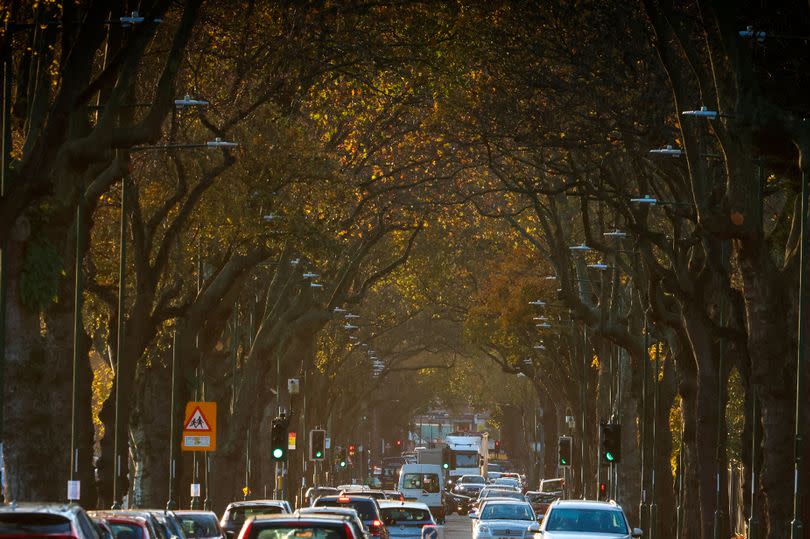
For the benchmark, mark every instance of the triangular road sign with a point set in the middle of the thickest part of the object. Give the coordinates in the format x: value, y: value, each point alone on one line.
x: 197, y: 422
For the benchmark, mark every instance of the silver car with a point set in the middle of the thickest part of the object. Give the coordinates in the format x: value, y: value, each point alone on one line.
x: 588, y: 520
x: 405, y: 519
x: 500, y: 519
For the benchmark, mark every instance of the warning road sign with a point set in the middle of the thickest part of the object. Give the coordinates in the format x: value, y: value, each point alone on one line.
x: 200, y: 427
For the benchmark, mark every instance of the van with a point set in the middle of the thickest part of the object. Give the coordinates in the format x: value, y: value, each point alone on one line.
x: 424, y: 483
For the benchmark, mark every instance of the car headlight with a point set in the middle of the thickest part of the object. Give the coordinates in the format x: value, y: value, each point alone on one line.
x: 483, y: 530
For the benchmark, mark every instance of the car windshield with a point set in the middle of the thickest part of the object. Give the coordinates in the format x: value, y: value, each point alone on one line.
x: 198, y: 525
x: 33, y: 524
x: 429, y: 482
x: 507, y: 511
x: 240, y: 514
x: 123, y: 530
x: 404, y: 515
x: 466, y: 459
x: 501, y: 494
x: 365, y: 508
x: 564, y: 519
x: 478, y: 479
x: 298, y: 532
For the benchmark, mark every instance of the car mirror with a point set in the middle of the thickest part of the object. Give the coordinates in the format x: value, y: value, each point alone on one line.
x: 637, y: 532
x: 472, y: 514
x: 534, y: 527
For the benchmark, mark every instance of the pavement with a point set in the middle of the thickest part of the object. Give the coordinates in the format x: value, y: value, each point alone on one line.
x: 457, y: 527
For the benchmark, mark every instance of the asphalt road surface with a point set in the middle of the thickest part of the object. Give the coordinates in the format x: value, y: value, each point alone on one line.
x: 457, y: 527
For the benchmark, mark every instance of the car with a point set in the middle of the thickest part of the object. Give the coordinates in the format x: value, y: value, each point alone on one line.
x: 310, y: 526
x: 37, y: 520
x: 237, y: 513
x: 423, y: 483
x: 500, y: 492
x: 376, y: 494
x: 556, y: 485
x: 169, y: 523
x: 394, y: 495
x: 357, y: 524
x: 200, y: 524
x: 541, y: 500
x: 316, y: 492
x: 130, y: 524
x: 507, y: 482
x: 405, y: 520
x: 104, y: 530
x: 367, y: 508
x: 471, y: 490
x: 456, y: 503
x: 588, y: 520
x: 474, y: 479
x: 505, y: 518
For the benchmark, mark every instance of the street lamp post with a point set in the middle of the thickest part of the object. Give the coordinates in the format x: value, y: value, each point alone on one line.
x: 171, y: 505
x: 5, y: 137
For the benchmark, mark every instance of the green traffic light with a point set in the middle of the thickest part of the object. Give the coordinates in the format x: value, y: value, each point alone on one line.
x: 609, y: 456
x: 278, y: 453
x: 563, y: 461
x: 318, y: 454
x: 445, y: 466
x: 342, y: 463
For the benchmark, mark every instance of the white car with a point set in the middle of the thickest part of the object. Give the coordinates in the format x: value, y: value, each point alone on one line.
x: 505, y: 518
x: 586, y: 519
x: 405, y: 520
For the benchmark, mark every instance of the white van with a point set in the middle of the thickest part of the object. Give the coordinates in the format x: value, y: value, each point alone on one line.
x: 424, y: 483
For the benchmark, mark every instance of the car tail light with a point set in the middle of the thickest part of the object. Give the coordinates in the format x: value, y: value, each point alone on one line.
x: 376, y: 523
x: 344, y: 499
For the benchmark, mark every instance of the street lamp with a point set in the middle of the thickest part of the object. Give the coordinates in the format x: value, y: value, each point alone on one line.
x: 537, y: 302
x: 646, y: 199
x: 350, y: 327
x: 599, y: 266
x: 667, y: 150
x: 579, y: 248
x: 615, y: 234
x: 310, y: 275
x: 702, y: 112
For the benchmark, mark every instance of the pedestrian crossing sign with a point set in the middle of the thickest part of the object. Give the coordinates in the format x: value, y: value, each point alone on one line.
x: 200, y: 427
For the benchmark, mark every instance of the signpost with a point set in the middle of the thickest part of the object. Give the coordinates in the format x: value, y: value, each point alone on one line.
x: 200, y: 427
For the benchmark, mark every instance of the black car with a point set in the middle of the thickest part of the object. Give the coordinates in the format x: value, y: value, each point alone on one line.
x: 367, y: 509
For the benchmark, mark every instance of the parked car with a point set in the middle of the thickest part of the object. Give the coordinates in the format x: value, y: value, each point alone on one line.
x: 200, y: 525
x: 405, y: 520
x: 357, y: 524
x: 310, y: 527
x: 505, y: 518
x: 237, y: 513
x: 104, y: 530
x: 169, y: 522
x: 37, y: 520
x: 367, y: 508
x: 130, y: 525
x: 588, y: 520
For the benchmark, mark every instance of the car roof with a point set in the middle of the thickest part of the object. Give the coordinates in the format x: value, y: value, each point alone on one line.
x: 410, y: 505
x: 27, y: 507
x: 587, y: 504
x: 195, y: 512
x: 333, y: 519
x: 323, y: 509
x: 349, y: 495
x: 247, y: 503
x: 505, y: 501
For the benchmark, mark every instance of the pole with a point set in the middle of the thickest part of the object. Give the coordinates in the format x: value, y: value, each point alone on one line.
x: 796, y: 525
x: 753, y: 521
x: 171, y: 505
x: 583, y: 397
x: 119, y: 346
x: 77, y: 334
x: 718, y: 457
x: 4, y: 159
x: 653, y: 506
x: 642, y: 506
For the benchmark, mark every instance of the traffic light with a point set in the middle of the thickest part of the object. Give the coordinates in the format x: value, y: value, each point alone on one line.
x: 352, y: 450
x: 446, y: 458
x: 603, y: 491
x: 611, y: 440
x: 564, y: 451
x: 341, y: 457
x: 497, y: 446
x: 399, y: 443
x: 317, y: 444
x: 278, y: 439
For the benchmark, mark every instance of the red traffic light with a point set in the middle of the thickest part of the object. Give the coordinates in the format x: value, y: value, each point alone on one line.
x: 602, y: 489
x: 399, y: 443
x: 351, y: 450
x: 497, y: 445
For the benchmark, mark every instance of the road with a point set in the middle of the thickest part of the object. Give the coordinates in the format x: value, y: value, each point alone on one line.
x: 457, y: 527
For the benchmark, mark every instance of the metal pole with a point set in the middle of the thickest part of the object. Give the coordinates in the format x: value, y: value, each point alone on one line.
x: 679, y: 508
x: 171, y: 505
x: 753, y: 521
x: 77, y: 333
x: 583, y: 397
x: 796, y: 525
x: 642, y: 425
x: 653, y: 506
x: 4, y: 157
x: 119, y: 347
x: 718, y: 510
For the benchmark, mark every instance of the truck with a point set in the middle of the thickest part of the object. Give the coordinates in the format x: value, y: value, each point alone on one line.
x: 469, y: 453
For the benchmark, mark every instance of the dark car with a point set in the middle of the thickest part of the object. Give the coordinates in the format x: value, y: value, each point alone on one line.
x: 303, y: 526
x: 237, y: 513
x: 138, y: 522
x: 200, y: 525
x: 367, y: 509
x: 168, y: 521
x: 541, y: 501
x: 313, y: 493
x: 46, y: 520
